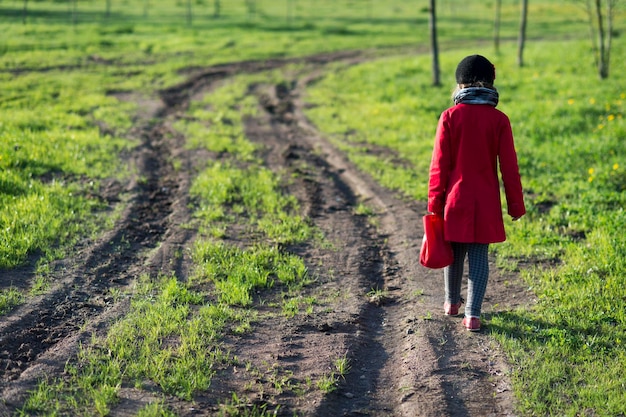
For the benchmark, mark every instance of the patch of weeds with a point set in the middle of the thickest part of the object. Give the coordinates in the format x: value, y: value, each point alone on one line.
x: 281, y: 380
x: 236, y: 273
x: 40, y: 286
x: 507, y: 264
x: 9, y: 299
x: 378, y: 297
x: 418, y: 293
x: 342, y: 365
x: 116, y: 294
x: 362, y: 209
x: 253, y: 193
x: 291, y: 305
x: 241, y: 407
x: 156, y: 409
x: 328, y: 382
x: 170, y: 337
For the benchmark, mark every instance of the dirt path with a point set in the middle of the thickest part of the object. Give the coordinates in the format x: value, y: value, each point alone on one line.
x: 406, y: 357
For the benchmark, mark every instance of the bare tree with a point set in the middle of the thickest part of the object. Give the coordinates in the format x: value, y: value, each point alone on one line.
x: 496, y: 26
x: 25, y: 12
x: 74, y: 11
x: 521, y: 41
x: 108, y: 9
x: 189, y: 13
x: 216, y: 8
x: 290, y: 11
x: 433, y: 42
x: 601, y: 30
x: 251, y: 5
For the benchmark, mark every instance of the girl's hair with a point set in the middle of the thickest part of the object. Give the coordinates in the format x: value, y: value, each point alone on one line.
x: 476, y: 84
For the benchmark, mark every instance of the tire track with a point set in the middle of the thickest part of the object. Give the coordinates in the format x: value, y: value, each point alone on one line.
x: 407, y: 358
x: 38, y: 337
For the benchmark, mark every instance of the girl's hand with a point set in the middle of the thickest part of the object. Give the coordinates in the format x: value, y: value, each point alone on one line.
x: 516, y: 218
x: 438, y: 214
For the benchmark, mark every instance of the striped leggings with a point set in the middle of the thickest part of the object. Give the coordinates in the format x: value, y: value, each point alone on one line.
x: 478, y: 276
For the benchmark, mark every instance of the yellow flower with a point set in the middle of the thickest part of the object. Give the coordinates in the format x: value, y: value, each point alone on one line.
x: 590, y: 179
x: 570, y: 101
x: 592, y: 101
x: 611, y: 117
x: 591, y: 171
x: 615, y: 167
x: 600, y: 127
x: 623, y: 95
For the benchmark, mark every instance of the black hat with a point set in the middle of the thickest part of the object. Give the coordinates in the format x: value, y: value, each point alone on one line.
x: 475, y: 68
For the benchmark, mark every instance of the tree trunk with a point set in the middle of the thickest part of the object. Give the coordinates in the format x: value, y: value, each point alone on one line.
x: 609, y: 34
x: 25, y: 13
x: 433, y: 42
x: 603, y: 69
x: 289, y: 12
x: 601, y: 33
x: 216, y: 8
x: 189, y: 13
x: 522, y: 34
x: 251, y: 8
x: 496, y: 27
x: 108, y: 9
x: 74, y: 11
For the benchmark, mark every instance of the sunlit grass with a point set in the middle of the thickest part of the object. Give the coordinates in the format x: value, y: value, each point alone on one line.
x: 60, y: 125
x: 172, y: 334
x: 236, y: 273
x: 9, y: 298
x: 49, y: 145
x: 571, y: 153
x: 170, y: 337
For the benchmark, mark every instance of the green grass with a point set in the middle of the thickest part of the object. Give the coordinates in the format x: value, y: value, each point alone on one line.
x: 52, y: 157
x: 569, y: 130
x: 237, y: 273
x: 62, y: 129
x: 9, y: 298
x: 59, y: 121
x: 329, y: 381
x: 53, y: 37
x: 172, y: 335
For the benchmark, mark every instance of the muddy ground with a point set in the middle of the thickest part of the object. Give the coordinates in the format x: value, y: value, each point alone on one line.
x: 406, y: 357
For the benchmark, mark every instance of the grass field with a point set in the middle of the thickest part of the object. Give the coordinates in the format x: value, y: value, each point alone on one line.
x: 61, y: 132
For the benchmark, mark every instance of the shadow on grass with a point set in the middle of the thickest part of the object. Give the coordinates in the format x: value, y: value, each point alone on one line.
x: 592, y: 337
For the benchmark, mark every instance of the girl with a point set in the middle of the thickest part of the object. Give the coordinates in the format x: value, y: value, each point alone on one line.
x: 472, y: 138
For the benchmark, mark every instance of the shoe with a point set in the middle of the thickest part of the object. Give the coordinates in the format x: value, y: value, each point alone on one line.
x: 471, y: 323
x: 452, y: 309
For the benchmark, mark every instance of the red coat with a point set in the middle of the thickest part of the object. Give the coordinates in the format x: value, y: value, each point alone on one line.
x: 471, y: 139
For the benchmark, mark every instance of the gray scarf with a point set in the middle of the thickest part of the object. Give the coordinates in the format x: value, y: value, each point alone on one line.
x: 476, y: 95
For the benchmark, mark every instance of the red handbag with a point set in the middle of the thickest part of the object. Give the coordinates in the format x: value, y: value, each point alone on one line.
x: 436, y: 252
